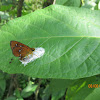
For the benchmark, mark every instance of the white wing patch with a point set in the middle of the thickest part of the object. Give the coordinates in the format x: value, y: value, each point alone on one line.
x: 37, y: 53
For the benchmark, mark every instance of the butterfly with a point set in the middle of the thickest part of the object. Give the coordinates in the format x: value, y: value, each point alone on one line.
x: 20, y: 50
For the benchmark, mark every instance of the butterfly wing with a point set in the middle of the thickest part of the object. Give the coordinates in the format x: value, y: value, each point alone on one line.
x: 14, y: 44
x: 20, y: 50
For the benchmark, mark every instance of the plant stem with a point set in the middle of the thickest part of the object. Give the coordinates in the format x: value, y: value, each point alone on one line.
x: 37, y: 90
x: 54, y: 2
x: 19, y: 9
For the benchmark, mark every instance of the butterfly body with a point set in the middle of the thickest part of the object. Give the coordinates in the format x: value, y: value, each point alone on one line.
x: 20, y: 50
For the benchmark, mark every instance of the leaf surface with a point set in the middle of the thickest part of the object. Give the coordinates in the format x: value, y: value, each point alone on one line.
x: 69, y: 35
x: 75, y: 3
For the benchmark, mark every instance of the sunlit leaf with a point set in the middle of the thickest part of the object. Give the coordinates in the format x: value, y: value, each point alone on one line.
x: 69, y: 35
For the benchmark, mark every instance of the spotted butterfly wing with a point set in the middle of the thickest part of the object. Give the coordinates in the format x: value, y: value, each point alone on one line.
x: 15, y: 44
x: 20, y: 50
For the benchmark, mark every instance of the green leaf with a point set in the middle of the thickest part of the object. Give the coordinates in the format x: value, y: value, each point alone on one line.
x: 2, y: 85
x: 11, y: 98
x: 69, y: 35
x: 94, y: 95
x: 58, y: 87
x: 46, y: 93
x: 29, y: 90
x: 84, y: 89
x: 61, y: 2
x: 60, y: 84
x: 17, y: 94
x: 5, y: 7
x: 75, y: 3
